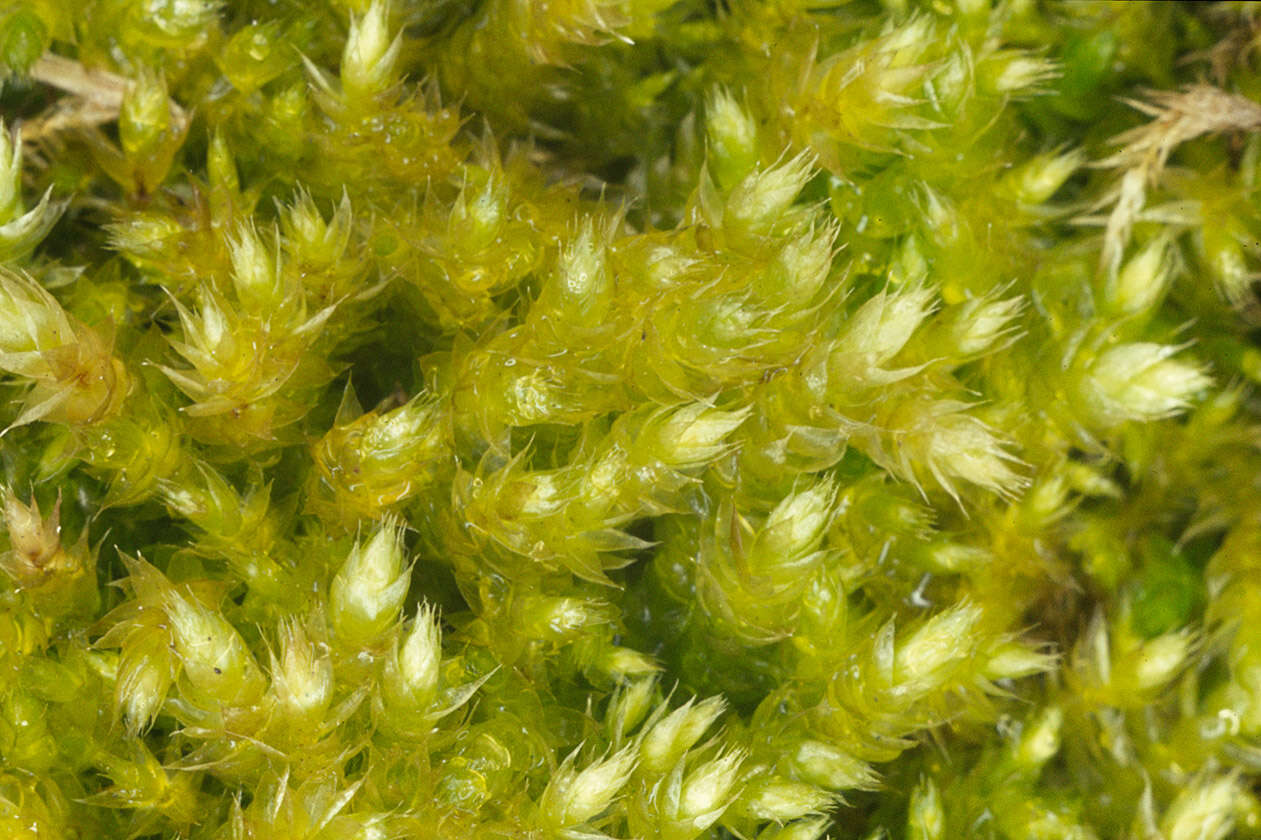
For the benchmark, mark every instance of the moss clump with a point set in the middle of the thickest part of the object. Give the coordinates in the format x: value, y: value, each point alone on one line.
x: 772, y: 419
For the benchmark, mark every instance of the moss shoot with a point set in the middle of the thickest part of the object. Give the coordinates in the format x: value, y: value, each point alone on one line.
x: 630, y: 420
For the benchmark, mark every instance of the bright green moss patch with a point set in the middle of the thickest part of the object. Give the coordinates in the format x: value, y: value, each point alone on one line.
x: 629, y: 419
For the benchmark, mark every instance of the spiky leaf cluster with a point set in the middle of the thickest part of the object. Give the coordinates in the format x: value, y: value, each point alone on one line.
x: 774, y: 419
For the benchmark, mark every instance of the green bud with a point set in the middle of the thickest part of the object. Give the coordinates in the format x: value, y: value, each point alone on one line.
x: 1206, y: 810
x: 479, y: 213
x: 282, y: 130
x: 1013, y: 660
x: 624, y: 663
x: 925, y: 818
x: 1009, y: 72
x: 583, y: 284
x: 795, y: 527
x: 976, y: 327
x: 732, y: 138
x: 1087, y: 481
x: 574, y: 797
x: 1040, y: 740
x: 255, y: 273
x: 411, y: 672
x: 302, y: 678
x: 928, y: 655
x: 781, y: 800
x: 216, y: 660
x: 1141, y: 282
x: 950, y: 444
x: 630, y: 704
x: 368, y: 591
x: 1037, y: 180
x: 561, y: 619
x: 310, y: 237
x: 760, y: 201
x: 690, y: 436
x: 145, y: 115
x: 370, y: 54
x: 1156, y: 661
x: 876, y: 333
x: 145, y: 672
x: 799, y: 271
x: 696, y: 801
x: 1137, y: 381
x: 831, y: 767
x: 951, y: 558
x: 1222, y: 246
x: 368, y: 462
x: 673, y: 735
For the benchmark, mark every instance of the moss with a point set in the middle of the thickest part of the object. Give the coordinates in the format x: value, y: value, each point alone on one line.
x: 772, y: 419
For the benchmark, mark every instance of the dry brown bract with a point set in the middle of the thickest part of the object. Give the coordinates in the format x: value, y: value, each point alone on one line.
x: 1179, y: 116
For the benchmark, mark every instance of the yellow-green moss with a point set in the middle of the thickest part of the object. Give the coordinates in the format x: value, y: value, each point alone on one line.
x: 638, y: 419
